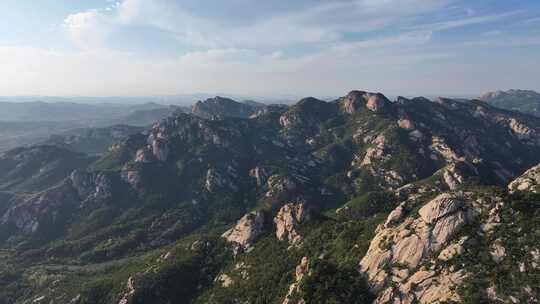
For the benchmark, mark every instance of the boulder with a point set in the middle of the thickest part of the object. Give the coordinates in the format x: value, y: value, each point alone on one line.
x: 453, y: 250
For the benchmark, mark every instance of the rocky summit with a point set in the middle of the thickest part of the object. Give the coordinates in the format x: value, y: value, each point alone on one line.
x: 361, y: 199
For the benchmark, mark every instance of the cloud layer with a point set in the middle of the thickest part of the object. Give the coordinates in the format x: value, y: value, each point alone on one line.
x: 267, y: 48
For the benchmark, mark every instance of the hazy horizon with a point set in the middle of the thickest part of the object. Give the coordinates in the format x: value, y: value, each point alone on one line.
x: 190, y: 99
x: 305, y: 48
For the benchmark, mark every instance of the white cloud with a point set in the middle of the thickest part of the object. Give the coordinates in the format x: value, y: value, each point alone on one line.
x: 322, y: 23
x: 89, y: 28
x: 456, y: 23
x: 256, y: 59
x: 330, y: 71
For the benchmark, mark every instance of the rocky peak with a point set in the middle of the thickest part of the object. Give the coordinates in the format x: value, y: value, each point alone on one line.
x: 353, y: 102
x: 357, y: 100
x: 287, y: 220
x: 246, y: 230
x: 376, y: 102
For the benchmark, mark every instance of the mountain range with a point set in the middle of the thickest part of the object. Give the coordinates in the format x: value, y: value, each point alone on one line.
x: 526, y: 101
x: 27, y: 123
x: 361, y: 199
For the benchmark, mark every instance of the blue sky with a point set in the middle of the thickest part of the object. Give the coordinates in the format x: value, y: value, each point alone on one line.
x: 265, y: 48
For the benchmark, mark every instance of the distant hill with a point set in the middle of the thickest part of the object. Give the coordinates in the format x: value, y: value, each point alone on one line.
x: 526, y: 101
x: 93, y: 141
x: 28, y: 123
x: 148, y: 116
x: 68, y: 111
x: 221, y: 106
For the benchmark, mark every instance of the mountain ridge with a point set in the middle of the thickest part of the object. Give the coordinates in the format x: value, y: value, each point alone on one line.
x: 526, y: 101
x: 296, y: 199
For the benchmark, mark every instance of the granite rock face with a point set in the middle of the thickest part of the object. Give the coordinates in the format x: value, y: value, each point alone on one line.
x: 53, y: 207
x: 287, y: 221
x: 404, y: 242
x: 216, y: 180
x: 246, y: 231
x: 529, y: 181
x: 358, y: 100
x: 32, y: 214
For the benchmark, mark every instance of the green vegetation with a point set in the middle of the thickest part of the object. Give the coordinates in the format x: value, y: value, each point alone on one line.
x: 159, y: 222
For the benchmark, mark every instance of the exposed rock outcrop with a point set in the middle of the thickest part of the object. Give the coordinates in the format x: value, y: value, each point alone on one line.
x: 225, y: 280
x: 287, y: 221
x: 259, y: 174
x: 401, y: 245
x: 425, y: 286
x: 246, y: 231
x: 127, y: 297
x: 54, y: 206
x: 216, y: 180
x: 160, y: 149
x: 453, y: 250
x: 529, y: 181
x: 29, y: 214
x: 92, y: 187
x: 375, y: 153
x: 357, y: 100
x: 301, y: 270
x: 279, y: 184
